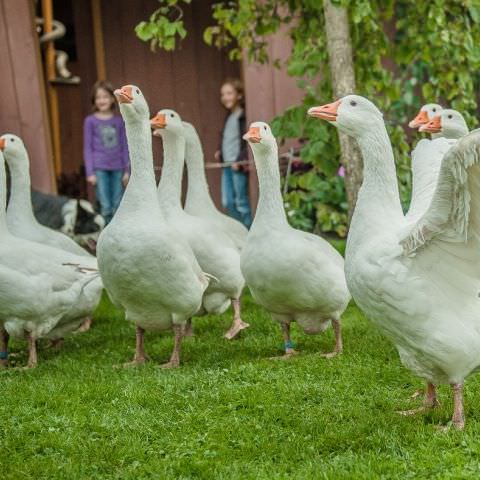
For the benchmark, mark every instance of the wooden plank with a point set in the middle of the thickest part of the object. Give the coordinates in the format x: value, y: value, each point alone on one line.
x: 96, y: 8
x: 24, y: 65
x: 47, y: 12
x: 9, y: 109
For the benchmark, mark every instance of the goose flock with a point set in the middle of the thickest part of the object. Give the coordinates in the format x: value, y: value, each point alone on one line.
x: 416, y: 275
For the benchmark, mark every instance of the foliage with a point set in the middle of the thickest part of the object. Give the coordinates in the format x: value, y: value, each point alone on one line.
x: 164, y: 25
x: 229, y: 412
x: 406, y: 53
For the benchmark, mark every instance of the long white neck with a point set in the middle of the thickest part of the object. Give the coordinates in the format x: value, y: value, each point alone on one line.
x: 170, y: 186
x: 198, y: 193
x: 20, y: 202
x: 270, y: 211
x: 378, y: 208
x: 140, y: 193
x: 3, y: 198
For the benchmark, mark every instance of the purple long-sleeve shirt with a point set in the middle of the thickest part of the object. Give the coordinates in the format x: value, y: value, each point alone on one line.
x: 105, y: 144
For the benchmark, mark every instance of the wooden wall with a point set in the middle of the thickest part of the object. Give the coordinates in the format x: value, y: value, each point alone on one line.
x: 22, y: 92
x: 187, y: 80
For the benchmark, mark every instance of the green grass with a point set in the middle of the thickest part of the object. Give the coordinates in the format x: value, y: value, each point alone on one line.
x: 229, y: 412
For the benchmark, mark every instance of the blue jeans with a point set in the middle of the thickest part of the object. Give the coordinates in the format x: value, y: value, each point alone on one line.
x: 235, y: 195
x: 109, y: 191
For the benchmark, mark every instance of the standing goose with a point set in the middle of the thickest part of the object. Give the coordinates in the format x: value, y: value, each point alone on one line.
x: 198, y: 201
x: 295, y: 275
x: 448, y: 123
x: 419, y: 283
x: 147, y: 269
x: 447, y: 127
x: 20, y: 219
x: 42, y: 292
x: 215, y: 251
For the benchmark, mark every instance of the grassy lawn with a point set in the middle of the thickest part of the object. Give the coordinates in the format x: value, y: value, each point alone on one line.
x: 229, y: 412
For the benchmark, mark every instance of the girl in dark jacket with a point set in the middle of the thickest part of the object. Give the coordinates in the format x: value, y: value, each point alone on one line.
x: 234, y: 149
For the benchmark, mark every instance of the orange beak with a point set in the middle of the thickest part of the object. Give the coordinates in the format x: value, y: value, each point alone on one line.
x: 433, y: 126
x: 420, y: 119
x: 158, y: 121
x: 253, y: 135
x: 2, y: 144
x: 124, y: 94
x: 326, y: 112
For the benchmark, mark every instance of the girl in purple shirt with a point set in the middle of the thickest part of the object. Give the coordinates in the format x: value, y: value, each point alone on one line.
x: 105, y: 150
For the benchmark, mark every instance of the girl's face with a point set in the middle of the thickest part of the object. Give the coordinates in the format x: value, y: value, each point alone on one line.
x: 229, y: 96
x: 103, y: 101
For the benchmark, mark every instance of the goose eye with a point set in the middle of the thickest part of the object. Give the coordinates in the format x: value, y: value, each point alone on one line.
x: 353, y: 103
x: 450, y: 116
x: 138, y: 91
x: 172, y: 115
x: 434, y: 109
x: 12, y: 139
x: 265, y: 128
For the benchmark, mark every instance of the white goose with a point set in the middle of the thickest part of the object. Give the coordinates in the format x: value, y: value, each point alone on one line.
x: 419, y: 283
x: 20, y: 219
x: 198, y: 201
x: 295, y: 275
x: 447, y: 126
x: 215, y: 251
x: 42, y: 291
x: 147, y: 269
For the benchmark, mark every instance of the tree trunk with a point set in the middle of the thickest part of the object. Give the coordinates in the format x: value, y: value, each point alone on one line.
x: 339, y: 47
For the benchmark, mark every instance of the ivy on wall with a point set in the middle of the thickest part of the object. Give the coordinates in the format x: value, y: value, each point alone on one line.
x: 406, y: 53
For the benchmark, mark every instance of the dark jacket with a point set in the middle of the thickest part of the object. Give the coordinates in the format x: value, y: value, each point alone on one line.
x: 243, y: 154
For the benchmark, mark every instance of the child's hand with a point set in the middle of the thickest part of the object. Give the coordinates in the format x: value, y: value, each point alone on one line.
x: 236, y: 167
x: 217, y: 155
x: 92, y: 180
x: 125, y: 178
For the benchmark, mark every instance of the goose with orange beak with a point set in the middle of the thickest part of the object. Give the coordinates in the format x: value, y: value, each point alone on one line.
x: 198, y: 201
x: 445, y: 128
x: 417, y: 281
x: 20, y: 218
x: 449, y: 124
x: 146, y: 267
x: 215, y: 251
x: 44, y: 291
x: 295, y: 275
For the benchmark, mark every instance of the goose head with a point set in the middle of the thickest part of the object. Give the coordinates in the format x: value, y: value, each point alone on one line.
x: 167, y: 122
x: 14, y: 150
x: 260, y: 138
x: 449, y: 123
x: 353, y: 114
x: 132, y: 103
x: 426, y: 113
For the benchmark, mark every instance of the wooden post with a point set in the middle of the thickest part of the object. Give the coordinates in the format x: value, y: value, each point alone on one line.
x: 98, y: 39
x: 339, y: 46
x: 47, y: 12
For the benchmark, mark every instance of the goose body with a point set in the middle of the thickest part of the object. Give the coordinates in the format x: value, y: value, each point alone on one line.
x: 215, y: 251
x: 198, y: 201
x: 418, y: 282
x: 295, y: 275
x: 20, y: 218
x: 147, y: 269
x: 42, y: 292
